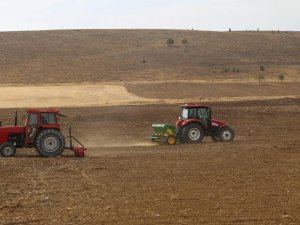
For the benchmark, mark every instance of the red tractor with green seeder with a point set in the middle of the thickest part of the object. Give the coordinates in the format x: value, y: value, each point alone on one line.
x: 41, y: 131
x: 192, y: 126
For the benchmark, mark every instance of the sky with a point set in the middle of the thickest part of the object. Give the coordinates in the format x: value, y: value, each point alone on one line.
x: 215, y: 15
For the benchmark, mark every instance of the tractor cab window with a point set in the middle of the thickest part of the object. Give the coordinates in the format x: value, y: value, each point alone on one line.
x: 32, y: 126
x: 193, y: 113
x: 48, y: 118
x: 185, y: 114
x: 33, y: 119
x: 203, y: 115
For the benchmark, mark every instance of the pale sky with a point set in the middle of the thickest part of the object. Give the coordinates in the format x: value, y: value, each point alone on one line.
x: 149, y: 14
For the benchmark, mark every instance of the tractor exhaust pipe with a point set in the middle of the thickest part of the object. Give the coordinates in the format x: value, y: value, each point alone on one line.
x: 16, y: 118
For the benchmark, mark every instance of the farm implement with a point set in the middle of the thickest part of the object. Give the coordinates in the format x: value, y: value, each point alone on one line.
x: 194, y: 123
x: 164, y: 133
x: 42, y: 132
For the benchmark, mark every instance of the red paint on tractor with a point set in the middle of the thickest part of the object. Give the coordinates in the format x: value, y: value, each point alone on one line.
x: 219, y: 123
x: 41, y: 131
x: 6, y: 132
x: 196, y: 122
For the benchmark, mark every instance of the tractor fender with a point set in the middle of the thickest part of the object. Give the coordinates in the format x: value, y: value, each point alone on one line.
x: 189, y: 121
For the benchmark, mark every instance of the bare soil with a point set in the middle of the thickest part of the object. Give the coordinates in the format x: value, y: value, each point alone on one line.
x: 128, y: 55
x: 253, y: 180
x: 135, y: 93
x: 98, y: 78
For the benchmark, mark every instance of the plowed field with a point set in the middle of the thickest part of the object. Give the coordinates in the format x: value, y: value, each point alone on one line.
x: 113, y: 84
x: 126, y: 180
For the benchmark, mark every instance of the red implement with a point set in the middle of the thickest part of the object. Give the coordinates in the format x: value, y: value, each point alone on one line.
x: 78, y: 151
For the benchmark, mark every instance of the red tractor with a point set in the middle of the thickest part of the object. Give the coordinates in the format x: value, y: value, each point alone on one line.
x: 41, y: 131
x: 196, y: 122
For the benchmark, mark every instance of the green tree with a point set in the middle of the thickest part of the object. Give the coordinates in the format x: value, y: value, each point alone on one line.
x: 281, y: 77
x: 184, y: 42
x: 170, y: 42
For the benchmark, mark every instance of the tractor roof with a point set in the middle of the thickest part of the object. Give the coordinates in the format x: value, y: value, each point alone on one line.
x: 42, y: 111
x: 193, y: 106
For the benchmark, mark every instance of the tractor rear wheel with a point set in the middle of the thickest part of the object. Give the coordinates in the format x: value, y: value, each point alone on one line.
x: 179, y: 135
x: 50, y: 143
x: 7, y: 149
x: 226, y: 134
x: 193, y: 133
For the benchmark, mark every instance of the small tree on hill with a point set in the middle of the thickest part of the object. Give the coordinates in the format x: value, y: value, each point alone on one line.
x: 281, y: 77
x: 170, y: 42
x: 184, y: 42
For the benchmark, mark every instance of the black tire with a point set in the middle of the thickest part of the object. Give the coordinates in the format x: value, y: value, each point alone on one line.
x: 7, y: 149
x: 179, y: 135
x: 226, y: 134
x: 193, y: 133
x: 171, y: 140
x: 50, y: 143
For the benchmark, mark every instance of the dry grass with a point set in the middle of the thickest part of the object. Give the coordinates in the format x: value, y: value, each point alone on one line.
x: 117, y: 55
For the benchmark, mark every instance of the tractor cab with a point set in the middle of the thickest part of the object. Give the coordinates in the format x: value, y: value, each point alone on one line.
x: 200, y: 113
x: 37, y: 120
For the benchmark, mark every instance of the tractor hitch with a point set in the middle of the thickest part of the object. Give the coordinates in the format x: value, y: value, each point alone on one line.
x: 78, y: 151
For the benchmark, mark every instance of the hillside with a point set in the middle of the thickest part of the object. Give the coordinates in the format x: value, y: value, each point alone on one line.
x: 127, y: 55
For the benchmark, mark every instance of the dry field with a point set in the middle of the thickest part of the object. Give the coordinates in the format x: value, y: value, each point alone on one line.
x: 111, y: 98
x: 117, y: 55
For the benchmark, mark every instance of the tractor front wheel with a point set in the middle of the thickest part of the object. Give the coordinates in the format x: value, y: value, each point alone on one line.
x: 50, y: 143
x: 7, y: 149
x: 226, y: 134
x: 193, y: 133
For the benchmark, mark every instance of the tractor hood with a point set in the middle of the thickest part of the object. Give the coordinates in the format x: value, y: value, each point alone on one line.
x: 5, y: 132
x: 12, y: 130
x: 217, y: 123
